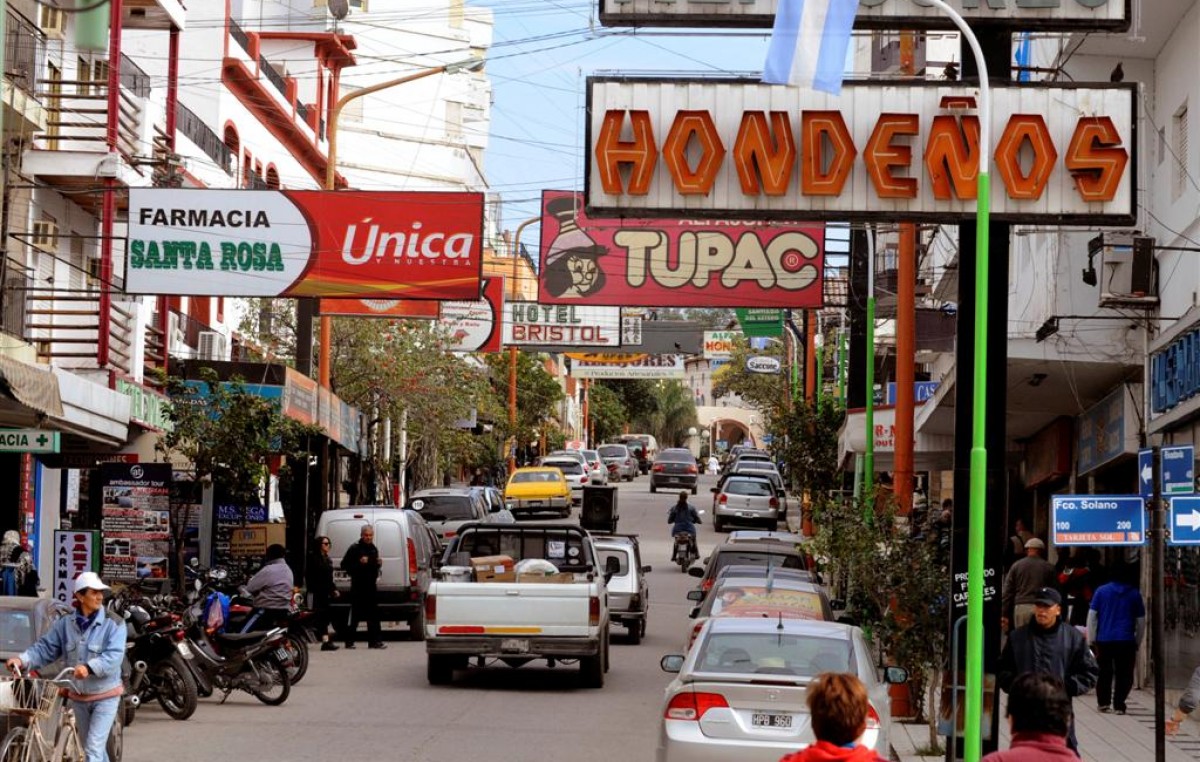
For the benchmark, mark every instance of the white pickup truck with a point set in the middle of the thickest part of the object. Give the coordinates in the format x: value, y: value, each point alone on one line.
x: 479, y: 606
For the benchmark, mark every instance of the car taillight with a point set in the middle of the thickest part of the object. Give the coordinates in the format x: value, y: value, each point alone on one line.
x: 659, y: 467
x: 412, y: 562
x: 773, y: 502
x: 431, y: 608
x: 695, y: 632
x: 692, y: 706
x: 448, y: 535
x: 723, y: 499
x: 692, y: 470
x: 180, y: 634
x: 872, y: 718
x: 594, y: 611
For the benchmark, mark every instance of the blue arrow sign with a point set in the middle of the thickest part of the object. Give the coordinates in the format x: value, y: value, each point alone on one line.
x: 1098, y: 520
x: 1146, y: 474
x: 1184, y: 521
x: 1179, y: 470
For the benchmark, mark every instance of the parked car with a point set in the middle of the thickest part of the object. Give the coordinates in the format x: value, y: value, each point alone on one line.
x: 537, y: 489
x: 621, y: 464
x: 767, y: 553
x: 772, y: 596
x: 675, y: 468
x: 597, y: 471
x: 408, y: 555
x: 644, y: 447
x: 573, y: 471
x: 493, y: 498
x: 772, y: 477
x: 753, y: 460
x: 739, y: 693
x: 746, y: 500
x: 445, y: 510
x: 737, y: 450
x: 628, y: 592
x: 560, y: 454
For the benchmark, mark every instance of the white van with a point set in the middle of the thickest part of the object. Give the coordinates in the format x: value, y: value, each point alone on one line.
x: 409, y: 555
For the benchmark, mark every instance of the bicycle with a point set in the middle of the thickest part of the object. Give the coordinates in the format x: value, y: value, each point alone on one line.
x: 49, y: 733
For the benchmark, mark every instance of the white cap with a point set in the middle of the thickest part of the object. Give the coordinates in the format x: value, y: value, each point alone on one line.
x: 89, y: 581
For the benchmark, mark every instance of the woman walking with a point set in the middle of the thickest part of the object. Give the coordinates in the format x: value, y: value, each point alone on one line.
x: 320, y: 584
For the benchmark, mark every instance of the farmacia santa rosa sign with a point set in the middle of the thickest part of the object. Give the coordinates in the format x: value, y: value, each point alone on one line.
x: 417, y: 245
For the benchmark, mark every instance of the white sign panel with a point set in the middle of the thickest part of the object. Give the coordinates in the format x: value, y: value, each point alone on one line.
x: 74, y: 553
x: 741, y: 149
x: 718, y: 345
x: 631, y: 331
x: 647, y: 366
x: 568, y: 325
x: 884, y: 14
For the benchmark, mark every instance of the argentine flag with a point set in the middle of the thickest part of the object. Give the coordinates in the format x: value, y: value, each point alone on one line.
x: 808, y: 44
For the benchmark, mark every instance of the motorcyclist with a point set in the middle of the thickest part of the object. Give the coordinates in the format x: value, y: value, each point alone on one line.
x: 683, y: 518
x: 272, y: 590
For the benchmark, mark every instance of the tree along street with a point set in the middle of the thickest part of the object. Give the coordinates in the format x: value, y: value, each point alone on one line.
x: 360, y: 704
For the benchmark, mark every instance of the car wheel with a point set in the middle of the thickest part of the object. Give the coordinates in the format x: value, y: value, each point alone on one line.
x: 416, y: 625
x: 718, y: 525
x: 439, y: 669
x: 694, y: 490
x: 635, y: 631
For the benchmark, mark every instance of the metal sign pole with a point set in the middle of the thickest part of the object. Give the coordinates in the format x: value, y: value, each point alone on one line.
x: 1157, y: 540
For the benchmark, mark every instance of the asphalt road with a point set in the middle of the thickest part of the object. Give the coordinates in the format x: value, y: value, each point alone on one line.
x: 364, y: 704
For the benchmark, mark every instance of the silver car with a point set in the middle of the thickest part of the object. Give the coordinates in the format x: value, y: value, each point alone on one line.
x: 739, y: 693
x: 628, y: 592
x: 445, y: 510
x: 597, y: 471
x: 746, y: 500
x: 620, y: 462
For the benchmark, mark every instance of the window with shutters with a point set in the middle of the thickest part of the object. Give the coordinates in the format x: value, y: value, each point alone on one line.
x: 1182, y: 157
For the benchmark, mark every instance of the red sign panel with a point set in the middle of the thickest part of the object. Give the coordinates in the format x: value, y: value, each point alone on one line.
x: 680, y: 263
x: 380, y: 308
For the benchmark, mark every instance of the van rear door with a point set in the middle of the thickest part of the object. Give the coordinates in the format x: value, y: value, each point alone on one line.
x: 393, y: 551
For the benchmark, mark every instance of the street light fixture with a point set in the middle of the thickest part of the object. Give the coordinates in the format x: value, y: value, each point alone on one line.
x: 470, y: 64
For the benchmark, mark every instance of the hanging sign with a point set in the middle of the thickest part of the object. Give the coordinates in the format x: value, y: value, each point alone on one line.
x: 380, y: 308
x: 643, y: 366
x: 570, y: 325
x: 760, y: 323
x: 681, y: 263
x: 1063, y: 154
x: 417, y: 245
x: 75, y: 551
x: 475, y: 326
x: 718, y: 345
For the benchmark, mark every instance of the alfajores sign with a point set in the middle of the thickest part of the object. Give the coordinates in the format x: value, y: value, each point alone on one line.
x: 1108, y: 15
x: 740, y: 149
x: 416, y: 245
x: 567, y: 325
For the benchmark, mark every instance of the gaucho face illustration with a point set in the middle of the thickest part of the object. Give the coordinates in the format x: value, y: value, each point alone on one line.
x: 571, y: 267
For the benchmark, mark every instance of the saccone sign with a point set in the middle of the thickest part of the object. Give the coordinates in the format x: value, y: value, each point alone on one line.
x: 416, y: 245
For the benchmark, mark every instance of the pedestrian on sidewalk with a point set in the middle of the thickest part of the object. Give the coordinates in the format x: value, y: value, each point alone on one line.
x: 1187, y: 703
x: 837, y: 706
x: 1039, y: 717
x: 362, y: 563
x: 323, y: 591
x: 1050, y: 646
x: 1116, y: 623
x: 1022, y: 583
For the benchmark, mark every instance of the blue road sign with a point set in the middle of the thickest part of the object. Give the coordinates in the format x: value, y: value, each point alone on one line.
x: 1098, y: 520
x: 768, y: 438
x: 1184, y: 518
x: 1179, y: 470
x: 1146, y: 474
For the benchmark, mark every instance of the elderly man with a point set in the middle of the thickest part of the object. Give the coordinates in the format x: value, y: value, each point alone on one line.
x: 1024, y: 579
x: 1050, y: 646
x: 95, y: 644
x: 362, y: 563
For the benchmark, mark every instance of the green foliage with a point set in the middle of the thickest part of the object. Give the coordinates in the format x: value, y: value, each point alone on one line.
x: 806, y: 439
x: 637, y: 395
x: 674, y: 413
x: 768, y: 392
x: 606, y: 411
x: 538, y: 393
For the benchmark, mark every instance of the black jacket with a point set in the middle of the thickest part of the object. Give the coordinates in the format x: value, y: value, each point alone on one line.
x: 363, y: 575
x: 320, y: 575
x: 1061, y: 650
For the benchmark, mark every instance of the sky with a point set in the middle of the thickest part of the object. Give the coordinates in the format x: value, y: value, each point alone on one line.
x: 541, y: 56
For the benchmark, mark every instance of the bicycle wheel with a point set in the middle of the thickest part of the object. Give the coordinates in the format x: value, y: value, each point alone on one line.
x: 12, y: 748
x: 270, y: 684
x: 68, y: 748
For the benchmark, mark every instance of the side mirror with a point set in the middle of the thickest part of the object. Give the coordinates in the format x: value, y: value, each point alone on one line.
x: 695, y: 595
x: 695, y: 612
x: 714, y: 490
x: 647, y: 569
x: 895, y: 675
x: 696, y: 571
x: 671, y: 663
x: 781, y: 493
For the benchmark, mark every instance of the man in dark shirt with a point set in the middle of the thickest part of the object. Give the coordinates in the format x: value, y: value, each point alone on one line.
x: 362, y: 563
x: 1023, y: 581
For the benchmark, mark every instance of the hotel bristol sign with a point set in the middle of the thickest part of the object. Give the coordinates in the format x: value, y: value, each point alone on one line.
x: 1110, y: 15
x: 741, y: 149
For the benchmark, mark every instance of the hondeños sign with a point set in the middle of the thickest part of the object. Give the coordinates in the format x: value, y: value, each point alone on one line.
x: 416, y: 245
x: 681, y: 263
x: 733, y: 148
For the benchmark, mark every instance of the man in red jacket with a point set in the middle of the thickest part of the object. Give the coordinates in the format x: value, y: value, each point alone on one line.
x: 1039, y: 716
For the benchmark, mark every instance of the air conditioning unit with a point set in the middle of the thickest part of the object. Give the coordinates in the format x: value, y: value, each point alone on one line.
x: 1126, y: 275
x: 45, y: 235
x: 213, y: 346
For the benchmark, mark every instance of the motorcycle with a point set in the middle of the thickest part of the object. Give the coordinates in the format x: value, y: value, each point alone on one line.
x: 684, y: 552
x: 298, y: 623
x: 158, y: 651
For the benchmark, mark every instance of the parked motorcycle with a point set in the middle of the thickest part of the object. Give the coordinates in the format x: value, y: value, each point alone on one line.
x: 155, y: 654
x: 684, y: 552
x: 298, y: 624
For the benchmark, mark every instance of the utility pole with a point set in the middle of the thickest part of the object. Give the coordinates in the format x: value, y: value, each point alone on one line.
x: 906, y: 330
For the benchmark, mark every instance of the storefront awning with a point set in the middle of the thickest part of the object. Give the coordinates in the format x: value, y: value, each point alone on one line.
x: 31, y: 386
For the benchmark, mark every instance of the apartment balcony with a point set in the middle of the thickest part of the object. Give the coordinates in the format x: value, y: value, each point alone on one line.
x: 65, y: 329
x: 72, y: 153
x: 24, y: 47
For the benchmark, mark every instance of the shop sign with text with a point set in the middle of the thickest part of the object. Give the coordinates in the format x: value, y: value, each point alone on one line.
x: 718, y: 345
x: 568, y: 325
x: 417, y: 245
x: 1110, y: 15
x: 474, y: 326
x: 1063, y: 153
x: 644, y: 366
x: 680, y: 263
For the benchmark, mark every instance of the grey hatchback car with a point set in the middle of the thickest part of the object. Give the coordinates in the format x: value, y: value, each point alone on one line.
x: 674, y: 468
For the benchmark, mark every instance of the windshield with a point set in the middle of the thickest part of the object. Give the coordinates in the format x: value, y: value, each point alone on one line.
x: 532, y: 477
x: 621, y: 556
x: 612, y: 451
x: 443, y: 507
x: 675, y: 456
x: 769, y: 560
x: 591, y: 455
x: 566, y: 466
x: 772, y: 653
x: 751, y: 487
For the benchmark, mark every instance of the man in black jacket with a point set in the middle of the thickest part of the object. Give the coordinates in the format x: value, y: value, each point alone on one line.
x: 362, y: 563
x: 1048, y: 645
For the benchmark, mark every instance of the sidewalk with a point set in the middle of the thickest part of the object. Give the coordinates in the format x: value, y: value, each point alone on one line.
x: 1102, y: 737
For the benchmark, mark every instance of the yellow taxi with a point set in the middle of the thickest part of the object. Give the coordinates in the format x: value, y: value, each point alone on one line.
x: 536, y: 490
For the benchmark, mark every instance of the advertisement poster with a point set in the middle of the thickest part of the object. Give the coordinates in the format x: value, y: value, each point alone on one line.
x: 136, y: 520
x: 682, y: 263
x: 639, y: 366
x: 475, y: 326
x: 228, y: 521
x: 75, y: 551
x: 567, y: 325
x: 364, y: 244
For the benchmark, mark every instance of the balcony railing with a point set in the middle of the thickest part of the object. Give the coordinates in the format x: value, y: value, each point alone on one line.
x: 274, y: 77
x: 134, y: 79
x: 78, y: 117
x: 239, y: 34
x: 65, y: 328
x: 24, y: 48
x: 195, y: 130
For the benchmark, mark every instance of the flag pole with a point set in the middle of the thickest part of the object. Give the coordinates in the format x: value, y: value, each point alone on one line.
x: 972, y: 735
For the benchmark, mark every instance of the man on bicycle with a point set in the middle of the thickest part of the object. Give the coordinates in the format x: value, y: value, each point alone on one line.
x: 95, y: 643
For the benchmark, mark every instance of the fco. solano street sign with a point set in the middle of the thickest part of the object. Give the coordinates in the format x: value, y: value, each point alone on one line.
x: 1098, y: 520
